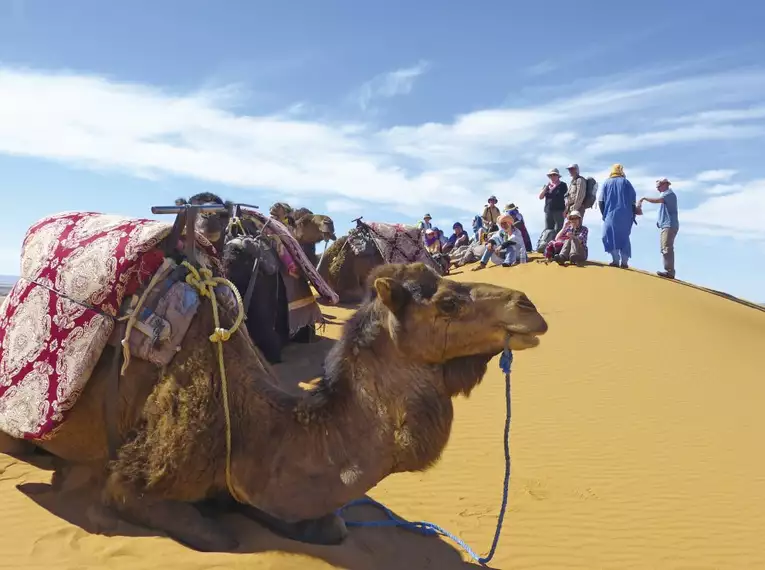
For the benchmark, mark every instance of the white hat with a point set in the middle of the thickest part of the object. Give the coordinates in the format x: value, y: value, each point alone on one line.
x: 575, y: 214
x: 573, y: 165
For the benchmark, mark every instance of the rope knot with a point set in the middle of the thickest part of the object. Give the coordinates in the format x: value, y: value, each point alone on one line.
x: 220, y: 335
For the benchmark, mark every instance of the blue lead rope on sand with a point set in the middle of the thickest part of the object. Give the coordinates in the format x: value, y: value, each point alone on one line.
x: 428, y: 528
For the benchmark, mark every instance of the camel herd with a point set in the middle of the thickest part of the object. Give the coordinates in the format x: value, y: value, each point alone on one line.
x: 383, y: 404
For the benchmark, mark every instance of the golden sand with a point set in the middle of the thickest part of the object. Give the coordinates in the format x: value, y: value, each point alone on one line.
x: 637, y: 443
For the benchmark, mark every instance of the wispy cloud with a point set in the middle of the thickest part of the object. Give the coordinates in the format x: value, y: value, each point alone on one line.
x: 715, y: 175
x: 91, y: 122
x: 391, y: 84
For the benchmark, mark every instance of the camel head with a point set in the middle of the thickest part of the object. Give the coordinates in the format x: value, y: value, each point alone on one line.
x: 211, y: 225
x: 435, y: 320
x: 283, y: 212
x: 312, y: 228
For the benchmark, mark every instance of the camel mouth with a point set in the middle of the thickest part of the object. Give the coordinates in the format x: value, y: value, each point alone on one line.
x: 523, y: 340
x: 328, y: 236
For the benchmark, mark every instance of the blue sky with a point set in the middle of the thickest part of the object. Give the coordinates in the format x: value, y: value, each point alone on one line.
x: 388, y: 110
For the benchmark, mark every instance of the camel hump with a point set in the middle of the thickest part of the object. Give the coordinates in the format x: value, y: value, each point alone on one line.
x: 76, y: 271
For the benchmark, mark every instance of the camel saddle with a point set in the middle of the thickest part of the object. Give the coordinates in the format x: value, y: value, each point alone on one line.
x: 399, y: 243
x: 81, y: 274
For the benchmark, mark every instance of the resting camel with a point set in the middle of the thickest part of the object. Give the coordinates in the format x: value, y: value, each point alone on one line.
x: 308, y: 228
x: 346, y: 271
x: 383, y: 406
x: 267, y: 315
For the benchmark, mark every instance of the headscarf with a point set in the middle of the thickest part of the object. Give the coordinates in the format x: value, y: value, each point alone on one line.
x: 617, y: 170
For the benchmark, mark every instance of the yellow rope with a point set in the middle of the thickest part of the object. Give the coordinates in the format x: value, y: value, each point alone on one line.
x: 235, y: 222
x: 203, y: 281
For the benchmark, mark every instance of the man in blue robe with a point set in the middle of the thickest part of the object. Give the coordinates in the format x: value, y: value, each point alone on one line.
x: 617, y: 207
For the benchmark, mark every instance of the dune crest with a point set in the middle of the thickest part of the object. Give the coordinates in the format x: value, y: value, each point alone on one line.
x: 637, y: 427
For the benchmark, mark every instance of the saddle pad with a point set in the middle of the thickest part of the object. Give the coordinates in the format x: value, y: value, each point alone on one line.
x: 399, y: 243
x: 76, y: 270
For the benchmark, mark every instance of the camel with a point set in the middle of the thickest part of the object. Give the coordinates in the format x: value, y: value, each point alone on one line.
x: 211, y: 225
x: 308, y: 228
x: 267, y: 315
x: 383, y: 406
x: 346, y: 270
x: 350, y: 259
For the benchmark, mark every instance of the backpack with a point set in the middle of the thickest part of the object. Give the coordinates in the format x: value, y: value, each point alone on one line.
x: 591, y: 193
x: 546, y: 237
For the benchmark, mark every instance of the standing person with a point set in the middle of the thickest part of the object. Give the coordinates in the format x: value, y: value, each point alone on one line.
x: 491, y: 214
x: 554, y: 195
x: 577, y: 191
x: 668, y: 225
x: 618, y: 211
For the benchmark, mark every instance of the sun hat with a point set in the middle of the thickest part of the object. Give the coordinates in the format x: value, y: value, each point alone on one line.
x: 573, y: 165
x: 427, y: 217
x: 575, y: 214
x: 554, y: 171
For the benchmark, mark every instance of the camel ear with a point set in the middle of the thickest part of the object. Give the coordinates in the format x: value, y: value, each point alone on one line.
x: 391, y: 293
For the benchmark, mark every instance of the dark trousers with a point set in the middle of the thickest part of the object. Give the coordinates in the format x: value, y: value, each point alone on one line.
x: 554, y: 221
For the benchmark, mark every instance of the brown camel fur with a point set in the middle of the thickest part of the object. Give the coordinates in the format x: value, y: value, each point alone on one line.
x: 307, y: 227
x: 347, y: 272
x: 383, y: 406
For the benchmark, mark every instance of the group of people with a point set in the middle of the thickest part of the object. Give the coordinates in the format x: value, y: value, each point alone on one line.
x: 503, y: 236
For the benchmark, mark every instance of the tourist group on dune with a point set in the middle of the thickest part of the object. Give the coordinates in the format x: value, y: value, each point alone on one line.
x: 502, y: 236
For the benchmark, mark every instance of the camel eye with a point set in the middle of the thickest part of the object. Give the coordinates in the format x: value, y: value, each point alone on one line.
x: 449, y: 306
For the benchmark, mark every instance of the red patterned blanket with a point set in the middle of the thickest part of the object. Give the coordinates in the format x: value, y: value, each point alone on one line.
x: 76, y: 270
x: 399, y: 243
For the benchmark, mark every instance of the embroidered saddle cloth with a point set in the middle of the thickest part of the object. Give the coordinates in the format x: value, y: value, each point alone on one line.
x: 399, y: 243
x: 76, y: 271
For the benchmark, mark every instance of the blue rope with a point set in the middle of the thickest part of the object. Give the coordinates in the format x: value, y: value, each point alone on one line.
x: 428, y: 528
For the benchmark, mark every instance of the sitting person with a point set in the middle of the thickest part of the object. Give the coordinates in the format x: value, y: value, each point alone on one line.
x: 508, y: 240
x: 457, y: 239
x: 432, y: 241
x: 571, y: 242
x: 512, y: 210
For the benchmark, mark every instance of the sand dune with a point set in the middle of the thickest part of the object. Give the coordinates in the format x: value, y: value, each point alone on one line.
x: 636, y: 443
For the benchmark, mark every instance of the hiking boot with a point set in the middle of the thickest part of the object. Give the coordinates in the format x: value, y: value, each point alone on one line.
x: 506, y: 264
x: 665, y: 274
x: 624, y: 265
x: 613, y: 264
x: 478, y: 267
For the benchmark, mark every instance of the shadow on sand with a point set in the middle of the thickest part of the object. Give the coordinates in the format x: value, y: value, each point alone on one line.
x: 365, y: 548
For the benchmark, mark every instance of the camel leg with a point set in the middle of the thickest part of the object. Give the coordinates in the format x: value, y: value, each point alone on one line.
x: 327, y: 530
x: 181, y: 521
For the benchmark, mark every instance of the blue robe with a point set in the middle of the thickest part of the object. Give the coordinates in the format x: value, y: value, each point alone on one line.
x: 618, y: 214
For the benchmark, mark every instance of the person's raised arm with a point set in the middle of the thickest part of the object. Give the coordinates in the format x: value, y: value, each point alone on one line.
x: 562, y: 231
x: 543, y: 193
